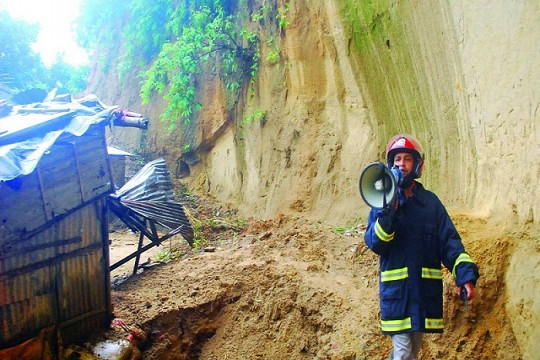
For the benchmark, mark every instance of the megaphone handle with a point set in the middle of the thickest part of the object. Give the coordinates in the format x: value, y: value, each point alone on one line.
x: 381, y: 167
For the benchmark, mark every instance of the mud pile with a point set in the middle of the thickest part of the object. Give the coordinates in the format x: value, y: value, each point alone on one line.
x: 293, y: 289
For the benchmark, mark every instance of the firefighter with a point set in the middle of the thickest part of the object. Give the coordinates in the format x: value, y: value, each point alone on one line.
x: 412, y: 236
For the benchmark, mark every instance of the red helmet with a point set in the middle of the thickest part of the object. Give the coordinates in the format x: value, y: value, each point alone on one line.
x: 406, y: 143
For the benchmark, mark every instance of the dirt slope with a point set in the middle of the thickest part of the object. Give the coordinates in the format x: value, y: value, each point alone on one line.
x: 350, y: 75
x: 293, y: 289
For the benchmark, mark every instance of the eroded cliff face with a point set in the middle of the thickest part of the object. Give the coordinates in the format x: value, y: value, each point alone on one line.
x: 462, y: 76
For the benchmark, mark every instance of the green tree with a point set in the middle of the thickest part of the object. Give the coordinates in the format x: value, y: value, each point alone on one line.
x: 20, y: 67
x: 70, y: 78
x: 97, y: 21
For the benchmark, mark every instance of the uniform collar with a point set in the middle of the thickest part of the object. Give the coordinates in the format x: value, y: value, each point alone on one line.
x: 419, y: 193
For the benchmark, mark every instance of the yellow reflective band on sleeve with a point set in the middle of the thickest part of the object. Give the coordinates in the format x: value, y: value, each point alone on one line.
x: 434, y: 323
x: 381, y: 234
x: 428, y: 273
x: 396, y: 325
x: 463, y: 257
x: 397, y: 274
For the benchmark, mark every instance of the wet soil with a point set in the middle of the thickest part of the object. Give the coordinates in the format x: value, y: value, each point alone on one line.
x: 289, y: 288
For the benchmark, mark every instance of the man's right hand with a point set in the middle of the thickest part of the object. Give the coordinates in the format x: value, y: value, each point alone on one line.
x: 386, y: 216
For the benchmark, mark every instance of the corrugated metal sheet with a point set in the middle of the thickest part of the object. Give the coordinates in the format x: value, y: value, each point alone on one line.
x: 57, y: 276
x: 151, y: 183
x: 149, y: 193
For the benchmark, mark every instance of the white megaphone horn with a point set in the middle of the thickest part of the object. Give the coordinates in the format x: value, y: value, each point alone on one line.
x: 379, y: 184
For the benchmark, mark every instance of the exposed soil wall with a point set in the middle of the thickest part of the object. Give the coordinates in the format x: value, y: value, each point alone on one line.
x: 462, y: 76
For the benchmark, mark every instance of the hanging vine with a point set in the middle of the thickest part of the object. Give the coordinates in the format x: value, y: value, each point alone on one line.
x: 211, y: 35
x: 174, y: 40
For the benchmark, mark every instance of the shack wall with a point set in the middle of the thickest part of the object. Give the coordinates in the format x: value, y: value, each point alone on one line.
x: 54, y: 263
x: 74, y: 172
x: 57, y: 277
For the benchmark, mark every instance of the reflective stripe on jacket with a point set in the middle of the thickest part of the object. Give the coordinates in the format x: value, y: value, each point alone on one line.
x: 410, y: 288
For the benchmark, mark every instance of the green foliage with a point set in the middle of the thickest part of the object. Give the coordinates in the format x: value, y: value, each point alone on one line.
x: 176, y: 40
x: 167, y: 255
x: 211, y: 34
x: 98, y: 21
x: 240, y: 223
x: 20, y: 67
x: 163, y: 255
x: 274, y: 51
x: 199, y: 240
x: 146, y: 30
x: 365, y: 20
x: 73, y: 79
x: 78, y: 79
x: 282, y: 16
x: 273, y: 56
x: 257, y: 115
x: 260, y: 14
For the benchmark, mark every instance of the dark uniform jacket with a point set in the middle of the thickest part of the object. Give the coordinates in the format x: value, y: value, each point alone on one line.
x: 411, y: 248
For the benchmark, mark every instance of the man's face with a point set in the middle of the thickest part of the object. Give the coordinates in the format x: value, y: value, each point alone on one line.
x: 405, y: 162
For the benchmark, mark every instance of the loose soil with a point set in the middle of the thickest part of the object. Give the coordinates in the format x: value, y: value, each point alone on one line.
x: 289, y: 288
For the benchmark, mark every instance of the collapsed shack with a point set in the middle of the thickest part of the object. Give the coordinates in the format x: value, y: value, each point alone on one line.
x: 54, y: 248
x: 146, y: 200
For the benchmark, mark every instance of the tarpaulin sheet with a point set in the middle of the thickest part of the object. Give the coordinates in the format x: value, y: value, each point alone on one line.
x: 29, y: 131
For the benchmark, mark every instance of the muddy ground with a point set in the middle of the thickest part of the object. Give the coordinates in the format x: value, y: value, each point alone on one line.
x: 292, y: 289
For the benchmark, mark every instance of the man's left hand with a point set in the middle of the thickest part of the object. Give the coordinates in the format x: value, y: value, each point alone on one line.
x: 470, y: 290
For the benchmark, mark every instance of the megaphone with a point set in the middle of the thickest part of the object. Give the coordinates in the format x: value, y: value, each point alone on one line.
x: 379, y: 184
